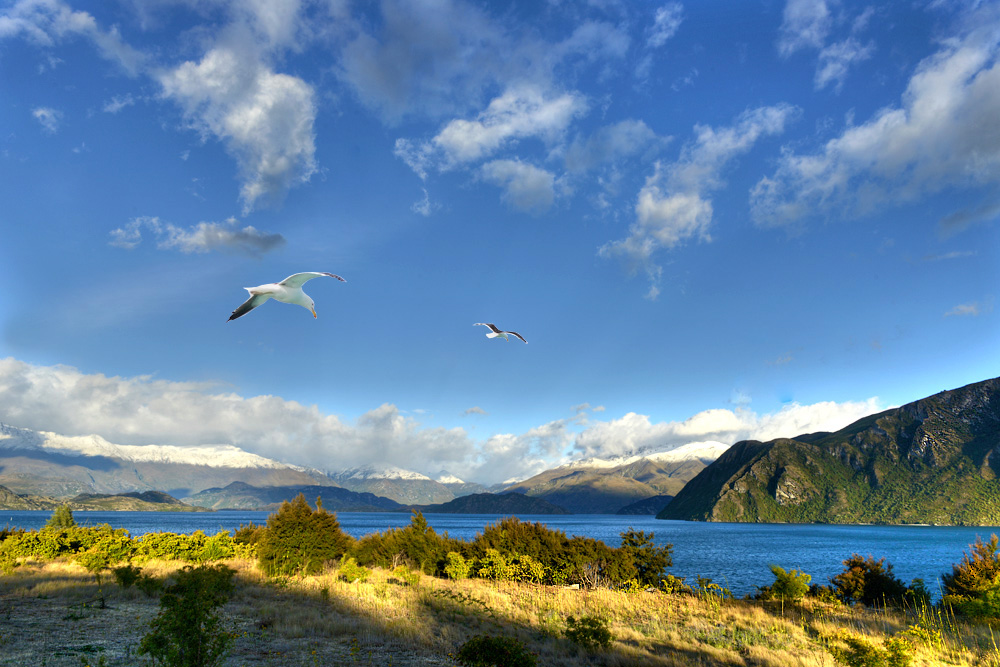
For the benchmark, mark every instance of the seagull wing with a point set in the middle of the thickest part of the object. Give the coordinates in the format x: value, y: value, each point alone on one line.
x: 514, y: 333
x: 248, y: 305
x: 299, y: 279
x: 493, y: 327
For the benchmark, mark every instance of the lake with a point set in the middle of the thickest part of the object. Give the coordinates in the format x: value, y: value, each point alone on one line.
x: 735, y: 555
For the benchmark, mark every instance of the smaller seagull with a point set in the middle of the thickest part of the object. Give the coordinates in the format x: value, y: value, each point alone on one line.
x: 497, y: 333
x: 288, y: 290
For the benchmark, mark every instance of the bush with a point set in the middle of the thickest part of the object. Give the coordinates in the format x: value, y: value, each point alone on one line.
x: 791, y: 585
x: 298, y: 540
x: 350, y: 571
x: 417, y: 545
x: 589, y: 631
x: 126, y: 575
x: 894, y: 652
x: 870, y: 582
x: 486, y: 651
x: 457, y: 567
x: 186, y: 631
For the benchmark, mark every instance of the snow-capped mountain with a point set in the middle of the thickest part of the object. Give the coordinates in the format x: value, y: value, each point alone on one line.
x: 459, y: 486
x: 50, y: 464
x: 403, y: 486
x: 215, y: 456
x: 705, y: 452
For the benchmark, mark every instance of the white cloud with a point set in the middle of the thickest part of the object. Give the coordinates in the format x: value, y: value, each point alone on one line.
x: 432, y: 57
x: 265, y: 119
x: 635, y: 433
x: 836, y: 60
x: 666, y: 22
x: 612, y: 143
x: 974, y: 309
x: 942, y: 135
x: 673, y: 205
x: 475, y: 410
x: 805, y: 24
x: 117, y: 103
x: 48, y: 118
x: 47, y: 22
x: 526, y: 187
x: 525, y: 111
x: 201, y: 238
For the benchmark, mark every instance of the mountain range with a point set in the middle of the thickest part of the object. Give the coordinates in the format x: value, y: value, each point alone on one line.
x: 935, y: 460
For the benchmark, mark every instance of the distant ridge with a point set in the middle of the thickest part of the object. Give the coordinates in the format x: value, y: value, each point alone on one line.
x: 936, y: 461
x: 240, y: 495
x: 489, y: 503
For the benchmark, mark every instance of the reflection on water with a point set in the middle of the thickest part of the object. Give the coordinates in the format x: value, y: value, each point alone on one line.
x: 734, y: 555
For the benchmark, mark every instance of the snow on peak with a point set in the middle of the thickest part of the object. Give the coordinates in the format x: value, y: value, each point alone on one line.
x: 216, y: 456
x: 705, y: 451
x: 445, y: 477
x: 380, y: 472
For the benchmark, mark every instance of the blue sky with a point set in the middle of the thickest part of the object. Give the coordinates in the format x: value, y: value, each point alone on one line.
x: 710, y: 220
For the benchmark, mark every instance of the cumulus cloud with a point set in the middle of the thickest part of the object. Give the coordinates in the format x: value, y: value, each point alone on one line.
x: 635, y: 433
x: 805, y: 24
x: 201, y: 238
x: 673, y: 206
x: 425, y: 58
x: 836, y: 60
x: 48, y: 118
x: 666, y: 22
x: 611, y: 144
x: 265, y: 119
x: 475, y: 410
x: 942, y: 135
x: 144, y: 410
x: 973, y: 309
x: 526, y: 187
x: 48, y: 22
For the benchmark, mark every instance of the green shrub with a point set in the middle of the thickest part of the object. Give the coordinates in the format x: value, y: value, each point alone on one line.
x: 870, y: 582
x: 350, y: 571
x: 589, y: 632
x: 973, y: 586
x: 486, y: 651
x: 894, y: 652
x: 407, y: 576
x: 792, y: 585
x: 126, y: 575
x: 186, y: 631
x: 416, y: 545
x: 457, y: 567
x: 298, y: 540
x: 494, y: 566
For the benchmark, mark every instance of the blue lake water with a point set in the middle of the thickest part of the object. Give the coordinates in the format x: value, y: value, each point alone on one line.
x: 735, y: 555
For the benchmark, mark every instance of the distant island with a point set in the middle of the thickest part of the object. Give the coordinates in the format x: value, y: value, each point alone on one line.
x: 147, y: 501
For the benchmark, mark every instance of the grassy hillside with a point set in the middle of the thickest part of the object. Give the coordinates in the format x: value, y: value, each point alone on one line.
x: 931, y: 461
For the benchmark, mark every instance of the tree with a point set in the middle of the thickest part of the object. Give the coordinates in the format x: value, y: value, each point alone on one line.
x: 792, y: 585
x: 869, y: 581
x: 185, y: 633
x: 299, y: 540
x: 650, y: 560
x: 62, y: 517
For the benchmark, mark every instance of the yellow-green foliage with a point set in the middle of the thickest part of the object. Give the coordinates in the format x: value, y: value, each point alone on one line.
x: 298, y: 540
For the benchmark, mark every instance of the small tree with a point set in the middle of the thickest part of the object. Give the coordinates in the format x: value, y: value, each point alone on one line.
x: 299, y: 540
x: 973, y: 587
x: 62, y: 517
x: 650, y: 560
x: 791, y: 585
x: 186, y: 631
x: 869, y: 581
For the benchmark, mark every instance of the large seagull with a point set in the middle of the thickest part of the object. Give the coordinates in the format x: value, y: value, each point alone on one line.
x: 288, y: 290
x: 496, y: 333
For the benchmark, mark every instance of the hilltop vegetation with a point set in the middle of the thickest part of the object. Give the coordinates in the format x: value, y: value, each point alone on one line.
x: 931, y: 461
x: 298, y: 591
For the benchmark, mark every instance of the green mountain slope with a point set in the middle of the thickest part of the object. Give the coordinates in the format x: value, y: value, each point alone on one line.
x: 932, y: 461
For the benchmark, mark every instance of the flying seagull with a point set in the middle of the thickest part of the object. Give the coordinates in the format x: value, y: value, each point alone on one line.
x: 497, y: 333
x: 288, y: 290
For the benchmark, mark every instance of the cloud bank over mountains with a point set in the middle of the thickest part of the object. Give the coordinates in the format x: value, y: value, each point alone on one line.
x: 145, y: 410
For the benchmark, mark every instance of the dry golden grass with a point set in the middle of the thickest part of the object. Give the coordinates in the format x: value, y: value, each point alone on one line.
x: 50, y: 615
